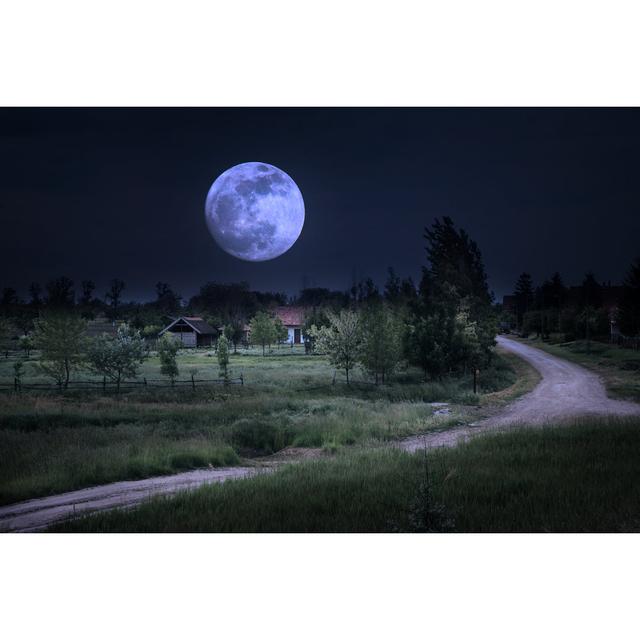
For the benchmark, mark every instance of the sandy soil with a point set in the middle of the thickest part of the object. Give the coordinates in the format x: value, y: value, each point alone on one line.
x: 565, y: 391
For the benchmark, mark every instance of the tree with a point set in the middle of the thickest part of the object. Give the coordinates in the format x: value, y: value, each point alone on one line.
x: 381, y: 348
x: 88, y: 287
x: 114, y: 295
x: 590, y: 292
x: 453, y: 283
x: 429, y: 340
x: 281, y: 332
x: 629, y: 312
x: 263, y: 331
x: 60, y: 293
x: 117, y: 357
x: 9, y: 297
x: 26, y: 344
x: 168, y: 300
x: 6, y: 333
x: 35, y: 291
x: 168, y: 349
x: 234, y: 332
x: 223, y: 357
x: 341, y: 340
x: 392, y: 286
x: 317, y: 318
x: 61, y: 340
x: 524, y: 296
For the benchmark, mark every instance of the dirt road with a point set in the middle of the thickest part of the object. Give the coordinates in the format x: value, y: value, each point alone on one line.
x: 565, y: 391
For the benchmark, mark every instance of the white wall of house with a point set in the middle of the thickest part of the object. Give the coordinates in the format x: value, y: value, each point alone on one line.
x: 291, y: 334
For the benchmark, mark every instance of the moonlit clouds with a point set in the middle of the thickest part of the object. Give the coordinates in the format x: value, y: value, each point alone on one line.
x: 254, y: 211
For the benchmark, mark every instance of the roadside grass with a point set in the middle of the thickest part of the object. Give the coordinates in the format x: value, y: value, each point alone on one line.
x: 572, y: 478
x: 618, y: 367
x: 60, y: 442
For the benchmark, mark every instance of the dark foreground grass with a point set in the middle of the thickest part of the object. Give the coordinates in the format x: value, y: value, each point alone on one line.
x: 578, y: 478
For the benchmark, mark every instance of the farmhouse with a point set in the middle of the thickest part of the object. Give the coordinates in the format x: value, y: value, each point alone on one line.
x: 192, y: 331
x: 293, y: 319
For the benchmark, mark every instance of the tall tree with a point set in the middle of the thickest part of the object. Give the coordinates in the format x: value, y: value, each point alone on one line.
x: 61, y: 340
x: 35, y: 291
x: 524, y: 294
x: 263, y: 330
x: 88, y: 287
x: 590, y: 292
x: 341, y: 340
x: 114, y: 295
x: 60, y: 293
x: 168, y: 300
x: 629, y: 312
x: 381, y: 348
x: 223, y: 357
x: 117, y: 357
x: 168, y: 348
x: 454, y: 281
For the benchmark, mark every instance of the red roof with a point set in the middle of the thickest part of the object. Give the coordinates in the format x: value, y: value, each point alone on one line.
x: 290, y: 316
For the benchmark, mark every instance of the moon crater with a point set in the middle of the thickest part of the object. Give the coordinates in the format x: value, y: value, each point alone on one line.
x: 254, y: 211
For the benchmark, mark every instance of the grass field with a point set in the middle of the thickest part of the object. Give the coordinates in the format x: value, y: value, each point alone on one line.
x: 50, y: 443
x: 619, y: 368
x: 578, y: 478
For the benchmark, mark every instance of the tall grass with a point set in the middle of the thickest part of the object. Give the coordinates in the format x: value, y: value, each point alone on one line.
x: 577, y: 478
x: 50, y: 444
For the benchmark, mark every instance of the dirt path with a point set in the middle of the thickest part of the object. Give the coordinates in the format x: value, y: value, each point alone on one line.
x: 565, y: 391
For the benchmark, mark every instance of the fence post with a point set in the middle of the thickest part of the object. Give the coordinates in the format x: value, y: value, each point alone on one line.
x: 241, y: 379
x: 145, y: 381
x: 193, y: 382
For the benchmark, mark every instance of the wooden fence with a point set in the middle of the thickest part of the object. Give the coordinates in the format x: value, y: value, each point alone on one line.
x: 106, y: 386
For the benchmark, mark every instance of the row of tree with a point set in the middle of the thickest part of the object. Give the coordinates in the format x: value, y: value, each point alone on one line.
x: 64, y: 348
x: 578, y: 313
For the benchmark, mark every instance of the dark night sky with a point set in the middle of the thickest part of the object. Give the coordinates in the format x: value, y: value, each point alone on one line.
x: 103, y: 193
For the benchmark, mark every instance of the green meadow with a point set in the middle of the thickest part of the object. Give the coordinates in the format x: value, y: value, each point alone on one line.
x: 54, y: 442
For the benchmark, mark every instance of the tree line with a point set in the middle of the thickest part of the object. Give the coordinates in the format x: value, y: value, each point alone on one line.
x: 579, y: 313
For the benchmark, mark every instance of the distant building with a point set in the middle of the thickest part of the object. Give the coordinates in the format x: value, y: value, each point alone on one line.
x: 293, y: 319
x: 192, y: 331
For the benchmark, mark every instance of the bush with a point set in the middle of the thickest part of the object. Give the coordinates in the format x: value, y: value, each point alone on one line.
x: 261, y: 435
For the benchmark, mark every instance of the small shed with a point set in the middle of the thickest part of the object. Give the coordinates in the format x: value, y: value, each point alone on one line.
x: 192, y: 331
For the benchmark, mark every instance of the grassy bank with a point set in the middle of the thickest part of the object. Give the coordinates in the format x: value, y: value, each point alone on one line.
x: 619, y: 368
x: 565, y: 479
x: 54, y: 443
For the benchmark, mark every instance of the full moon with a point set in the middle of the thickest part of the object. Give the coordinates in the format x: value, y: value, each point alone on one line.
x: 254, y: 211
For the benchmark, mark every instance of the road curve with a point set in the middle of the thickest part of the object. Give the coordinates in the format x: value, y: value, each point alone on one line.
x: 565, y: 391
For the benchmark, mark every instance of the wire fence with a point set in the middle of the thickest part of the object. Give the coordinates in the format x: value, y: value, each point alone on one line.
x: 107, y: 386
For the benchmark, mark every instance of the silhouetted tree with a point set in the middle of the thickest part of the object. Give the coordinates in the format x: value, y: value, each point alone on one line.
x: 629, y: 312
x: 60, y: 293
x: 114, y: 295
x: 35, y: 291
x: 524, y: 296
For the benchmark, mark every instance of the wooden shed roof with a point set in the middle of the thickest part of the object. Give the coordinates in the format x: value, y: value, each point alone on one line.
x: 196, y: 323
